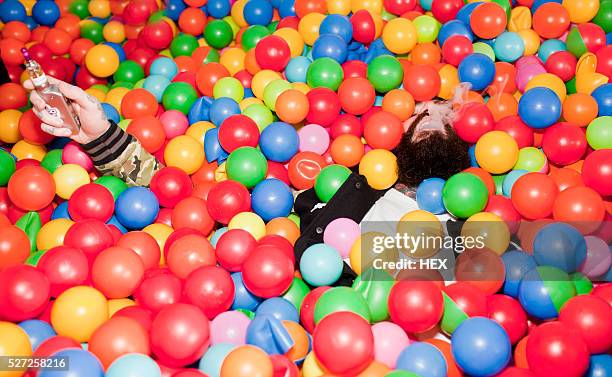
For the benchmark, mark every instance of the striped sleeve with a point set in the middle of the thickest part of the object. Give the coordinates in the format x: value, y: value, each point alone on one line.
x: 120, y: 154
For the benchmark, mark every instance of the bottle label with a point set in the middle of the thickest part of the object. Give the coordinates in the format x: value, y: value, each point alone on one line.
x: 40, y: 80
x: 53, y: 111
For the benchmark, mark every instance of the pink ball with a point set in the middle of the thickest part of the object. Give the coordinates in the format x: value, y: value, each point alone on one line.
x: 341, y: 234
x: 527, y: 60
x: 74, y: 154
x: 313, y: 138
x: 389, y: 341
x: 598, y: 258
x: 229, y: 327
x: 174, y: 123
x: 526, y: 73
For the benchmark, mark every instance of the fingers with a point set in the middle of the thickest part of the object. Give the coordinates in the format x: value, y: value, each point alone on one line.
x: 76, y: 94
x: 61, y: 132
x: 47, y: 118
x: 37, y: 101
x: 28, y: 84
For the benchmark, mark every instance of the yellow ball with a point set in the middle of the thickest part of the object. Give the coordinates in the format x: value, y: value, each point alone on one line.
x: 233, y: 25
x: 198, y: 130
x: 114, y: 32
x: 550, y: 81
x: 587, y: 82
x: 238, y: 13
x: 14, y: 341
x: 185, y: 153
x: 97, y: 93
x: 9, y: 132
x: 309, y: 27
x: 342, y: 7
x: 520, y: 19
x: 581, y: 11
x: 424, y: 225
x: 261, y: 79
x: 531, y: 39
x: 399, y: 35
x: 117, y: 304
x: 23, y: 150
x: 379, y: 166
x: 68, y: 178
x: 373, y: 6
x: 160, y: 232
x: 115, y: 96
x: 102, y: 60
x: 293, y: 39
x: 449, y: 81
x: 78, y: 312
x: 249, y: 101
x: 250, y: 222
x: 496, y: 152
x: 362, y: 255
x: 586, y: 64
x: 99, y: 8
x: 490, y: 229
x: 311, y: 367
x: 233, y: 59
x: 52, y: 233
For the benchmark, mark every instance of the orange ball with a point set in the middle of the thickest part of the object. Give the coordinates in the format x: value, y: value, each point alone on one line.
x: 292, y: 106
x: 551, y: 20
x: 580, y: 109
x: 16, y: 30
x: 502, y: 105
x: 399, y: 102
x: 12, y: 96
x: 117, y: 272
x: 138, y: 103
x: 31, y: 188
x: 117, y: 337
x: 58, y: 41
x: 250, y: 63
x: 186, y: 64
x: 304, y: 7
x: 247, y: 361
x: 347, y: 150
x: 445, y: 348
x: 69, y: 23
x: 300, y: 339
x: 192, y: 21
x: 10, y: 51
x: 208, y: 75
x: 426, y: 54
x: 282, y: 226
x: 488, y: 20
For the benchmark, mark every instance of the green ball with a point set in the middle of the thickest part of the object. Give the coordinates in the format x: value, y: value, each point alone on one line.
x: 485, y: 49
x: 52, y: 160
x: 452, y: 316
x: 599, y: 133
x: 273, y: 90
x: 295, y: 218
x: 157, y: 16
x: 179, y: 96
x: 582, y: 284
x: 341, y: 299
x: 79, y: 8
x: 139, y: 84
x: 530, y: 159
x: 183, y: 45
x: 103, y: 88
x: 122, y: 84
x: 385, y: 73
x: 233, y: 25
x: 329, y: 181
x: 129, y: 71
x: 93, y: 31
x: 324, y: 72
x: 464, y: 194
x: 260, y: 114
x: 34, y: 258
x: 375, y: 285
x: 575, y: 43
x: 252, y: 35
x: 7, y: 167
x: 115, y: 185
x: 296, y: 293
x: 246, y: 165
x: 499, y: 183
x: 558, y: 285
x: 401, y: 373
x: 272, y: 26
x: 571, y: 86
x: 247, y: 312
x: 427, y: 28
x: 229, y: 87
x: 218, y: 34
x: 212, y: 57
x: 604, y: 16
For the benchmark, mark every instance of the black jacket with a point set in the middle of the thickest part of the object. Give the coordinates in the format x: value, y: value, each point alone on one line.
x: 4, y: 76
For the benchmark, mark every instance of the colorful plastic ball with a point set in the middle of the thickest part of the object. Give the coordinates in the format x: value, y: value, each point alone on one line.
x: 603, y: 96
x: 226, y: 199
x: 385, y: 73
x: 229, y: 327
x: 82, y: 363
x: 24, y: 290
x: 133, y: 365
x: 598, y: 133
x: 478, y: 70
x: 580, y: 206
x: 163, y: 66
x: 246, y: 165
x: 321, y: 265
x: 488, y: 20
x: 421, y: 298
x: 91, y: 201
x: 170, y: 185
x: 356, y: 95
x: 179, y: 96
x: 102, y: 61
x: 429, y: 195
x: 586, y: 37
x: 329, y: 181
x: 246, y: 361
x: 496, y: 152
x: 80, y: 305
x: 271, y: 198
x: 272, y: 52
x: 472, y: 121
x: 560, y: 245
x: 218, y: 34
x: 31, y: 188
x: 400, y: 35
x: 564, y: 143
x: 324, y: 72
x: 422, y: 81
x: 184, y: 152
x: 267, y: 272
x: 544, y: 290
x: 422, y: 359
x: 7, y: 163
x: 191, y: 213
x: 464, y: 194
x: 136, y: 207
x: 117, y: 272
x: 509, y: 46
x: 596, y: 171
x: 509, y: 314
x: 584, y: 314
x: 533, y: 195
x: 379, y: 166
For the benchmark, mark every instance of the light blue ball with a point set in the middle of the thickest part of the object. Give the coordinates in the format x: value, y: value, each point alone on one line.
x: 80, y: 363
x: 509, y: 46
x: 279, y: 308
x: 243, y: 299
x: 216, y: 235
x: 38, y: 331
x: 164, y: 66
x: 279, y: 142
x: 133, y: 365
x: 549, y: 47
x: 296, y: 69
x: 510, y: 179
x: 321, y: 265
x: 422, y: 359
x: 212, y: 360
x: 156, y: 85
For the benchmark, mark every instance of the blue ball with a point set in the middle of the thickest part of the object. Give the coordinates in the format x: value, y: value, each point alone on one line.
x: 258, y: 12
x: 466, y: 11
x: 321, y: 265
x: 45, y: 12
x: 221, y: 109
x: 478, y: 70
x: 279, y: 142
x: 80, y: 363
x: 296, y: 69
x: 136, y: 207
x: 422, y: 359
x: 549, y: 47
x: 538, y: 3
x: 269, y: 334
x: 30, y: 22
x: 38, y: 331
x: 279, y: 308
x: 426, y: 4
x: 218, y: 8
x: 286, y: 8
x: 481, y: 347
x: 603, y: 96
x: 216, y: 235
x: 61, y: 211
x: 536, y: 289
x: 429, y: 195
x: 212, y: 360
x: 271, y: 198
x: 337, y: 24
x: 509, y: 46
x: 330, y: 46
x: 133, y: 365
x: 118, y: 49
x: 164, y: 66
x: 110, y: 112
x: 156, y: 85
x: 517, y: 264
x: 113, y: 221
x: 510, y: 179
x: 472, y: 153
x: 243, y: 299
x: 212, y: 147
x: 600, y: 366
x: 200, y: 110
x: 174, y: 8
x: 454, y: 27
x: 12, y: 10
x: 560, y: 245
x: 539, y: 107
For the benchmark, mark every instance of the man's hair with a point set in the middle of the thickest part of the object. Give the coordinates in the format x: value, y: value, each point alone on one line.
x: 432, y: 154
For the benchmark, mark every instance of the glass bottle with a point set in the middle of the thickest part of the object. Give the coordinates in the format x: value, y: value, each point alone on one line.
x: 56, y: 104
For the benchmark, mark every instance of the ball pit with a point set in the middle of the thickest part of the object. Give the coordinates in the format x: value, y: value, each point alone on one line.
x: 248, y: 103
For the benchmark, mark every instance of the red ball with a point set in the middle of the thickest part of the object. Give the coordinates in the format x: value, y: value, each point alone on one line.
x: 136, y: 12
x: 233, y: 247
x: 383, y: 130
x: 604, y: 60
x: 192, y: 213
x: 65, y: 267
x: 553, y: 349
x: 138, y: 103
x: 90, y: 236
x: 91, y: 201
x: 117, y: 337
x: 24, y: 293
x: 14, y: 246
x: 238, y: 131
x: 562, y: 64
x: 345, y: 124
x: 31, y: 188
x: 210, y: 288
x: 324, y: 106
x: 399, y: 7
x: 364, y: 27
x: 590, y: 316
x: 514, y: 126
x: 422, y: 81
x: 340, y: 334
x: 179, y: 335
x: 308, y: 306
x: 85, y: 80
x: 580, y: 206
x: 455, y: 48
x: 354, y: 68
x: 468, y: 298
x: 144, y: 245
x: 272, y: 52
x: 117, y: 272
x: 176, y: 235
x: 416, y: 306
x: 158, y: 290
x: 509, y: 314
x: 226, y: 199
x: 597, y: 171
x: 564, y: 143
x: 278, y: 171
x: 533, y: 195
x: 171, y: 185
x: 188, y: 253
x: 278, y: 242
x: 515, y: 372
x: 356, y: 95
x: 593, y: 36
x: 445, y: 10
x: 137, y: 313
x: 473, y: 121
x: 55, y: 344
x: 502, y: 207
x: 29, y: 128
x: 267, y: 272
x: 189, y: 373
x: 149, y: 131
x: 157, y: 35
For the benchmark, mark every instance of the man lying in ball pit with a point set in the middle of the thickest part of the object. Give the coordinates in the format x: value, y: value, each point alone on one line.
x: 428, y: 148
